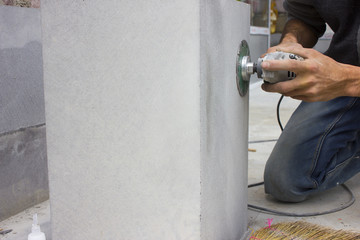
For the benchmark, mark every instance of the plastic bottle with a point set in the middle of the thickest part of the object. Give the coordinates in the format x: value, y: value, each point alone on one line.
x: 36, y: 233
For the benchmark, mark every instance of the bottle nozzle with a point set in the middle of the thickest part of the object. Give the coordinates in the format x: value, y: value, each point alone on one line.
x: 36, y: 233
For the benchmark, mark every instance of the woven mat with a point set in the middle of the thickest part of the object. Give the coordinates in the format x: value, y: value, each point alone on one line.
x: 302, y: 231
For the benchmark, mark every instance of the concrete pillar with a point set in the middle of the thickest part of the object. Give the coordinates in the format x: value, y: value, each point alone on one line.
x: 147, y: 134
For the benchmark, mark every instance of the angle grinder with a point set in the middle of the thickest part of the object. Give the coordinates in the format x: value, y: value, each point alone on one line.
x: 245, y: 68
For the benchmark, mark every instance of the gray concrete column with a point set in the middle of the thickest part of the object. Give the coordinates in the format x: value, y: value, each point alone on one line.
x: 147, y: 134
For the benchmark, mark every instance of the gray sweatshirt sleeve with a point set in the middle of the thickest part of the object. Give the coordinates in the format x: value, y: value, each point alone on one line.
x: 305, y: 11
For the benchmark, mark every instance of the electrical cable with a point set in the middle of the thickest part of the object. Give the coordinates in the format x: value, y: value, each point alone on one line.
x: 288, y: 214
x: 262, y: 141
x: 278, y: 112
x: 310, y: 214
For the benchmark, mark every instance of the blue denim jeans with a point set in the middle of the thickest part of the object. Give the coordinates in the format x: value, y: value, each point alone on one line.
x: 318, y: 149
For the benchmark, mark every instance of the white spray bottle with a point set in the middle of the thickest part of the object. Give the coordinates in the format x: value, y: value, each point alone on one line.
x: 36, y: 233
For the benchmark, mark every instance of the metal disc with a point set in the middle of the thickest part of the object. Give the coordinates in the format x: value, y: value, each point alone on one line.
x: 241, y: 82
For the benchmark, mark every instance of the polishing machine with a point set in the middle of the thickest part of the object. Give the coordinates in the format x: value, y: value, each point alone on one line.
x: 245, y: 68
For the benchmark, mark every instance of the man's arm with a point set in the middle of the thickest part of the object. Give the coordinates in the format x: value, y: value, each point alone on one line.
x: 352, y: 76
x: 296, y: 31
x: 319, y: 78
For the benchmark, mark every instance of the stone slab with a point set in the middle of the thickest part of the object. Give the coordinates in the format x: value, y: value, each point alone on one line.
x: 23, y: 164
x: 224, y: 121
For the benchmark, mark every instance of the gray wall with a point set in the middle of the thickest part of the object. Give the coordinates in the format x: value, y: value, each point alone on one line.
x: 23, y: 162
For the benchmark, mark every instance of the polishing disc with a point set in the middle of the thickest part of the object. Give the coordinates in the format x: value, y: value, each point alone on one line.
x: 242, y: 78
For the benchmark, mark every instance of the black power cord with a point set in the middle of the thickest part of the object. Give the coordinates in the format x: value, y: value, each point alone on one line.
x: 310, y: 214
x: 278, y: 112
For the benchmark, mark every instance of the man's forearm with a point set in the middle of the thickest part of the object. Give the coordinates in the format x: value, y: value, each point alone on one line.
x: 298, y: 31
x: 351, y: 78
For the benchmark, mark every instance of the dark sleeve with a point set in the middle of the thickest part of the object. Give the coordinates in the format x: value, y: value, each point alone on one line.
x: 305, y: 11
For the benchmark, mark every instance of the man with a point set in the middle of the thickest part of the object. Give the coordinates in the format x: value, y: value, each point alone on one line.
x: 320, y: 145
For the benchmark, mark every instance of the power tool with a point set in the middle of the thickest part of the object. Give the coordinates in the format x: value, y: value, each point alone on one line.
x: 245, y: 68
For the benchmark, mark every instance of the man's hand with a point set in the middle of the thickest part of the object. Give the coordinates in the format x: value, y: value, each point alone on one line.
x: 285, y: 44
x: 318, y: 77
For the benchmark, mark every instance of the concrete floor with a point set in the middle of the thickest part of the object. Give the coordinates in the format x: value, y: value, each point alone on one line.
x: 263, y: 126
x: 20, y: 224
